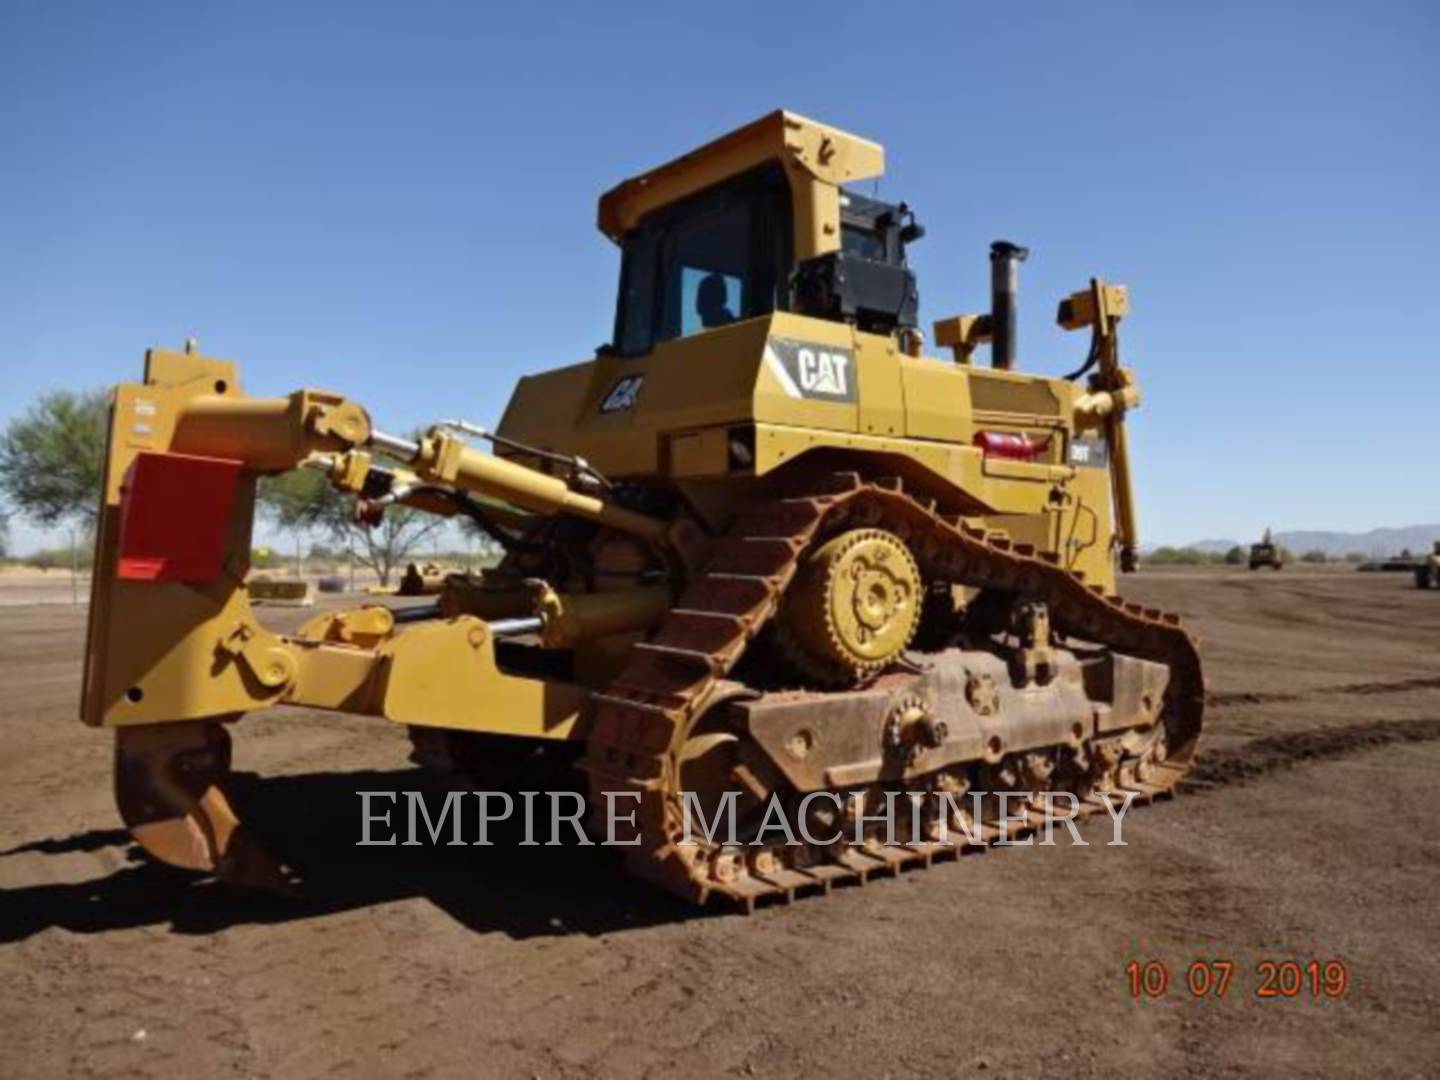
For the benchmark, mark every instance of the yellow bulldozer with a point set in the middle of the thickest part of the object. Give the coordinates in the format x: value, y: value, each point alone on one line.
x: 1427, y: 569
x: 761, y: 547
x: 1267, y: 553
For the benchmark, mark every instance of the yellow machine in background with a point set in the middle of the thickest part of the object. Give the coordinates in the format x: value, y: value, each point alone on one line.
x: 1267, y: 553
x: 1427, y: 570
x: 924, y: 548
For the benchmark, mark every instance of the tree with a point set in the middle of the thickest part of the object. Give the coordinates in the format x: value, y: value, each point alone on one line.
x: 264, y: 558
x: 52, y: 458
x: 1314, y: 556
x: 1235, y: 556
x: 1173, y: 556
x: 487, y: 549
x: 303, y: 500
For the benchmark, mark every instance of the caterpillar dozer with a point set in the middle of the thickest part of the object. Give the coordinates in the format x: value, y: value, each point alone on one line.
x: 759, y: 546
x: 1267, y: 553
x: 1427, y: 570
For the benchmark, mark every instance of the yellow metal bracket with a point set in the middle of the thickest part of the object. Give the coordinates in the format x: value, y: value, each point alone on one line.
x: 962, y: 334
x: 364, y: 626
x: 444, y: 674
x: 349, y: 470
x: 1100, y: 306
x: 268, y: 661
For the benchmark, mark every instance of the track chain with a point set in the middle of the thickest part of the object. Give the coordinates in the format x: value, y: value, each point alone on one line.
x: 641, y: 720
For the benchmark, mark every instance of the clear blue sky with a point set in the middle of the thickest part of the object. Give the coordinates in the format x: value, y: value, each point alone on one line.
x: 398, y: 201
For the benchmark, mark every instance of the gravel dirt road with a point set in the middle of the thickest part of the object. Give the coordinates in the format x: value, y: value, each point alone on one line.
x: 1312, y: 837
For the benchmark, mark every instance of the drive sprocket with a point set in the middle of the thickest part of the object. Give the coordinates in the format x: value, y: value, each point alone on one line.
x: 853, y: 608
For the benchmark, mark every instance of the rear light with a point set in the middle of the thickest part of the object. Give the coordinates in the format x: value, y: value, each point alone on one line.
x: 174, y: 515
x: 740, y: 447
x: 1011, y: 445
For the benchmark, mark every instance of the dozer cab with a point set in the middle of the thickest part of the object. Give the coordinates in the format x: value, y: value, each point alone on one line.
x: 761, y: 547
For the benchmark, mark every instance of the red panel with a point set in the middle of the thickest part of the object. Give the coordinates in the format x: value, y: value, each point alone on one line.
x: 174, y: 514
x: 1005, y: 444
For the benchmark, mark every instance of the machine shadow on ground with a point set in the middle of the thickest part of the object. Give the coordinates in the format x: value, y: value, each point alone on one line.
x: 311, y: 823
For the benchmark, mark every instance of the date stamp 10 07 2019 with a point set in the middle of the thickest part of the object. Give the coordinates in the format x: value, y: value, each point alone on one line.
x: 1269, y: 980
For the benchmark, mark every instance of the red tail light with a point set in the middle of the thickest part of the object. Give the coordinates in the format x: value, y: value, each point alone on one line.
x: 1008, y: 444
x: 174, y: 513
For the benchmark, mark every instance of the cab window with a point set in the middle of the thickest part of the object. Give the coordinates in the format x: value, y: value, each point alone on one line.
x: 713, y: 259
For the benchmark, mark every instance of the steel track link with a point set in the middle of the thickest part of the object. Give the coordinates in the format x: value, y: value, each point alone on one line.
x: 641, y: 720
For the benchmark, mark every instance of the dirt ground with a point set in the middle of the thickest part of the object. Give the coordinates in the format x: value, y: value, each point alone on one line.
x: 1312, y: 837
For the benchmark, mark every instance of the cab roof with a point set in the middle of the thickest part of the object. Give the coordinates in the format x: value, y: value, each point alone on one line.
x: 825, y: 153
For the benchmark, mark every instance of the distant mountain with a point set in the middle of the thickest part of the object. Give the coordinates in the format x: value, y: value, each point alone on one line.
x: 1375, y: 543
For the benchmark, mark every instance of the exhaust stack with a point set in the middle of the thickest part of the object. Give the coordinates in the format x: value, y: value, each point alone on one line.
x: 1005, y: 260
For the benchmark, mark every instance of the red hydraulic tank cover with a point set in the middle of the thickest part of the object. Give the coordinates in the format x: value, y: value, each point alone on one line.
x: 174, y: 513
x: 1006, y: 444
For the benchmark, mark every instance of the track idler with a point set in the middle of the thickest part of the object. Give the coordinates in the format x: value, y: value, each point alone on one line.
x: 170, y: 782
